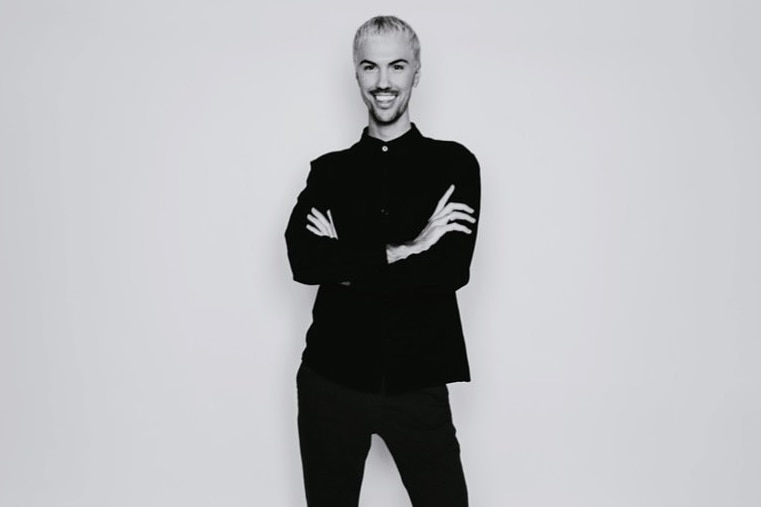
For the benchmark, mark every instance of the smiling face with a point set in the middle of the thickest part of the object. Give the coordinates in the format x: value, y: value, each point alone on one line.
x: 387, y: 70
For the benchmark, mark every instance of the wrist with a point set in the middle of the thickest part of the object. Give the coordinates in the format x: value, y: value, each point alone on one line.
x: 396, y: 253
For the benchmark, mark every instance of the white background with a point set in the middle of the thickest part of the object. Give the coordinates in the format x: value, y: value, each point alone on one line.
x: 150, y: 152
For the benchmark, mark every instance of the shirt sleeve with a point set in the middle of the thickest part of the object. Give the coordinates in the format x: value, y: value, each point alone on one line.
x: 317, y: 259
x: 445, y: 267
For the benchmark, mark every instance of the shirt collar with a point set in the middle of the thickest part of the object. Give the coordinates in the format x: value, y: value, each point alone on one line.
x: 400, y: 143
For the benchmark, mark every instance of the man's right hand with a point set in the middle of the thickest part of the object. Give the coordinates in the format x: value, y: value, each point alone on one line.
x: 443, y: 220
x: 321, y: 225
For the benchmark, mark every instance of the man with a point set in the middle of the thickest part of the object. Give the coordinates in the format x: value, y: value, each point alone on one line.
x: 387, y: 229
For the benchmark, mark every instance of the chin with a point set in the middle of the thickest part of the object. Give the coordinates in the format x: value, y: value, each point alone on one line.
x: 387, y: 119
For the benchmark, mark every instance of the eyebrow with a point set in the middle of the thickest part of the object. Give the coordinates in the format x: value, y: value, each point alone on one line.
x: 399, y: 60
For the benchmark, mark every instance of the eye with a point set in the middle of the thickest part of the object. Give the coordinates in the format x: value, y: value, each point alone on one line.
x: 398, y: 66
x: 367, y: 67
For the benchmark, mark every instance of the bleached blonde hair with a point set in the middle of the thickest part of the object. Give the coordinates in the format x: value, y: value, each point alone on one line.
x: 380, y: 25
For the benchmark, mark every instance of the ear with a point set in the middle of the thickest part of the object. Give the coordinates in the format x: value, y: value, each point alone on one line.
x: 416, y: 77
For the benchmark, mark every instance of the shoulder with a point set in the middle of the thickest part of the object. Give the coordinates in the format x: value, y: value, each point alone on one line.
x: 449, y: 149
x: 452, y: 154
x: 331, y: 159
x: 331, y: 164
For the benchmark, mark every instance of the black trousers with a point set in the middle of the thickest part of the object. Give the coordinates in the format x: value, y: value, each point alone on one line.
x: 335, y: 426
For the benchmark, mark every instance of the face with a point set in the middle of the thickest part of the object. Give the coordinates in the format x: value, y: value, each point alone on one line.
x: 386, y: 71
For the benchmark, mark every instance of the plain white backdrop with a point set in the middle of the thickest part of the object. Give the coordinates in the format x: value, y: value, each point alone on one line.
x: 150, y: 152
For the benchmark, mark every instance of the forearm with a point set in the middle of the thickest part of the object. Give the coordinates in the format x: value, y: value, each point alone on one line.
x: 396, y: 253
x: 440, y: 255
x: 444, y: 267
x: 316, y: 260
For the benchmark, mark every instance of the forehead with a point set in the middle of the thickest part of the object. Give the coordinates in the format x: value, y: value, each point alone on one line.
x: 386, y: 47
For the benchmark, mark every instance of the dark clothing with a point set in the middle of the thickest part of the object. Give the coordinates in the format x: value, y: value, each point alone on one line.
x: 335, y: 425
x: 396, y: 327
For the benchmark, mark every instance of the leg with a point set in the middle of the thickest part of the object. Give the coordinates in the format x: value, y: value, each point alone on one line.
x: 419, y: 433
x: 334, y: 440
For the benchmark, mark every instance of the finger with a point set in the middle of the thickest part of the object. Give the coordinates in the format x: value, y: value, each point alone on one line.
x: 439, y: 232
x: 453, y: 207
x: 456, y: 206
x: 444, y: 198
x: 459, y: 215
x: 451, y: 218
x: 455, y: 227
x: 332, y: 225
x: 322, y: 220
x: 314, y: 230
x: 319, y: 225
x: 319, y: 216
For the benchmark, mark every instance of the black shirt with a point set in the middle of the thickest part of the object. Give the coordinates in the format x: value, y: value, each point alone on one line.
x: 394, y: 327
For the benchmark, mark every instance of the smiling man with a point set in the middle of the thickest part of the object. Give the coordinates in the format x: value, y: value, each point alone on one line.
x: 387, y: 229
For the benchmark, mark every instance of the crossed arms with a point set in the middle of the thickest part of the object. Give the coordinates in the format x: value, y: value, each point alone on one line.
x: 443, y: 220
x: 349, y: 250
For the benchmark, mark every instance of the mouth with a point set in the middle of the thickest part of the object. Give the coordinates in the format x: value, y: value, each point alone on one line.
x: 384, y: 99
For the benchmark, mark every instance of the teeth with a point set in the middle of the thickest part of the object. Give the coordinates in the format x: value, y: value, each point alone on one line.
x: 384, y: 98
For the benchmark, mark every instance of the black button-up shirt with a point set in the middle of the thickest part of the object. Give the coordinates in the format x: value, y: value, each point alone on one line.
x: 380, y: 327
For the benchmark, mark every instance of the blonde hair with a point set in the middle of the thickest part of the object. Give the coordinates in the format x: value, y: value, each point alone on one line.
x: 380, y: 25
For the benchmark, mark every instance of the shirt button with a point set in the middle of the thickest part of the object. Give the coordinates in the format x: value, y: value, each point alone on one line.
x: 384, y: 148
x: 384, y: 212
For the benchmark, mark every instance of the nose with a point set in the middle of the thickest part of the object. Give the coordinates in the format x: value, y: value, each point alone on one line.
x: 383, y: 81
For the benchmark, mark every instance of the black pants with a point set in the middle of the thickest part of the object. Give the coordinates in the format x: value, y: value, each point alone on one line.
x: 335, y: 425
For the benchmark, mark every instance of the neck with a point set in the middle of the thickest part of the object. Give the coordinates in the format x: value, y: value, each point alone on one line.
x: 388, y: 132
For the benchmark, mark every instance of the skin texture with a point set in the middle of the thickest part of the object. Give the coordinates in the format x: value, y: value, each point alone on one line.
x: 385, y: 66
x: 386, y: 71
